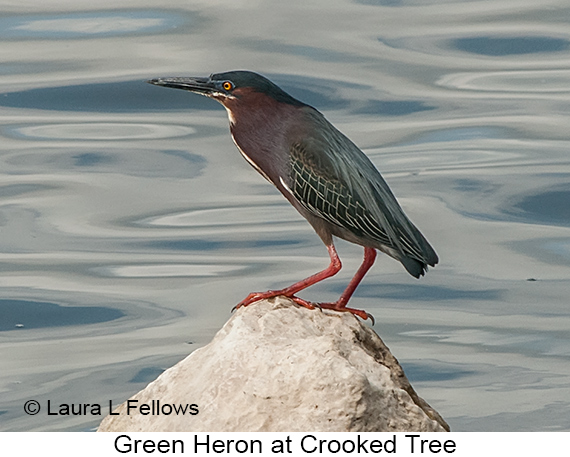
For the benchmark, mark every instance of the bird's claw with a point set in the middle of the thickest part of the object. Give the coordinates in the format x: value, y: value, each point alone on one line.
x: 253, y: 297
x: 256, y: 296
x: 338, y: 307
x: 305, y: 303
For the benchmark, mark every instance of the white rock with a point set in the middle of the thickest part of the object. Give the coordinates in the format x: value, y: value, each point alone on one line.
x: 275, y: 366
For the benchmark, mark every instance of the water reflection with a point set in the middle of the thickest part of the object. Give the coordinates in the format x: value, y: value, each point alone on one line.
x: 553, y: 251
x: 547, y: 207
x: 89, y: 25
x: 417, y: 292
x: 109, y: 97
x: 14, y: 67
x: 392, y: 108
x: 13, y: 190
x: 137, y: 162
x: 197, y: 244
x: 311, y: 52
x: 101, y: 131
x: 23, y: 314
x: 525, y: 81
x: 541, y: 344
x: 554, y: 416
x: 154, y: 271
x: 147, y: 374
x: 225, y: 215
x: 505, y: 46
x: 434, y: 371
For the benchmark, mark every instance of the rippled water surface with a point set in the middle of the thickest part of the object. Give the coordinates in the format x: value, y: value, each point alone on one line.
x: 130, y: 225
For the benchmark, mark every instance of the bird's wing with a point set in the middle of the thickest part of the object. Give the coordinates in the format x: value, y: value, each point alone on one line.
x: 333, y: 179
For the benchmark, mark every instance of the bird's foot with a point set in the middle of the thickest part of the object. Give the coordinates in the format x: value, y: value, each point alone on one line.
x: 336, y: 306
x: 256, y: 296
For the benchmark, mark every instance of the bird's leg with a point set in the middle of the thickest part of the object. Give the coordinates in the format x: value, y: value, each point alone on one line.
x: 369, y: 258
x: 290, y: 291
x: 340, y: 304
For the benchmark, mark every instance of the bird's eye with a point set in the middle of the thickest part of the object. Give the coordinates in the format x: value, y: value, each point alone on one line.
x: 227, y: 85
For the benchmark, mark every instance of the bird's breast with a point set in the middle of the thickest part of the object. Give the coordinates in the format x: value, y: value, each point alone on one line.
x: 261, y: 136
x: 250, y: 160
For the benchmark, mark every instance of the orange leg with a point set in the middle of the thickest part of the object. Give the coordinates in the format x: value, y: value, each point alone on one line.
x: 340, y: 304
x: 331, y: 270
x: 290, y: 291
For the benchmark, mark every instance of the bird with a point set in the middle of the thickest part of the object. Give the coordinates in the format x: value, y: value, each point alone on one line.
x: 322, y: 173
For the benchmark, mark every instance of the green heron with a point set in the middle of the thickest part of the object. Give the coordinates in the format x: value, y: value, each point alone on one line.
x: 323, y: 174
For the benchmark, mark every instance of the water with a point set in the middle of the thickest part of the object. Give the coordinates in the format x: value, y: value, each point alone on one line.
x: 130, y: 225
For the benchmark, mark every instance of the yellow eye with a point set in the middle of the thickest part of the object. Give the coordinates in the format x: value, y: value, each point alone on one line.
x: 227, y: 85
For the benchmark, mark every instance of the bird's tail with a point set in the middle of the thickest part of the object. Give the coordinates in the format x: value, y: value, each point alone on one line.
x: 417, y: 267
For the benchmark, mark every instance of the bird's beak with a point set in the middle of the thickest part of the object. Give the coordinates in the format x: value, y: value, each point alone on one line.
x: 203, y: 86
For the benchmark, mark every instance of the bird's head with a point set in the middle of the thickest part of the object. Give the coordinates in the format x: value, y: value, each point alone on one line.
x: 232, y: 89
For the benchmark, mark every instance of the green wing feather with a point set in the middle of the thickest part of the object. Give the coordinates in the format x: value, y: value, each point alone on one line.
x: 333, y: 179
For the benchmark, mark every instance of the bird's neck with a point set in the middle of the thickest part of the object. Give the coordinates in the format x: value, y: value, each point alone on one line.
x: 260, y: 133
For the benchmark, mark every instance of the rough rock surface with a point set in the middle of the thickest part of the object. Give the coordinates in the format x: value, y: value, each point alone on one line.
x: 275, y: 366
